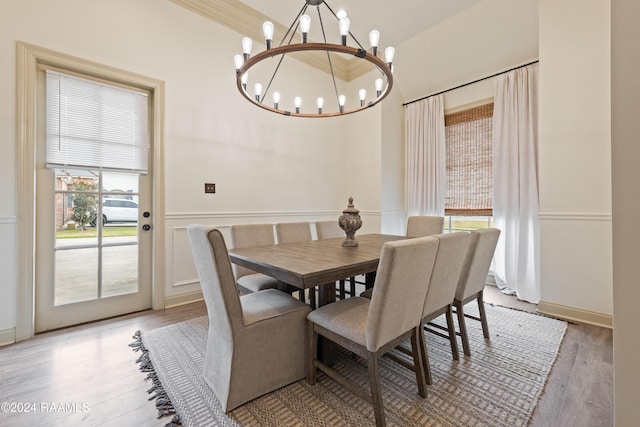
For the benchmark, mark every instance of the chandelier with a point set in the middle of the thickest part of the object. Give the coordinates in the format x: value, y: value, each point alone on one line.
x: 319, y: 108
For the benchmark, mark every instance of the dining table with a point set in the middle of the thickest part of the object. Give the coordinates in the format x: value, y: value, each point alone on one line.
x: 316, y: 263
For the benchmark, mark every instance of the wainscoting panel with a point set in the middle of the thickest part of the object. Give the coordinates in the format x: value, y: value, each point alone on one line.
x: 576, y: 276
x: 7, y: 336
x: 9, y: 271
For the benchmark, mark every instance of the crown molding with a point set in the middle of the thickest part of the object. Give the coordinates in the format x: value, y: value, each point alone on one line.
x: 247, y: 21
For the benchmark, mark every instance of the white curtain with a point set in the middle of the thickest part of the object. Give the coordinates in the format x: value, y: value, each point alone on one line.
x: 515, y: 182
x: 426, y: 151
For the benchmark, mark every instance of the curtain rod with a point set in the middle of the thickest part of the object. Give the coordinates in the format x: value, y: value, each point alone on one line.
x: 470, y: 83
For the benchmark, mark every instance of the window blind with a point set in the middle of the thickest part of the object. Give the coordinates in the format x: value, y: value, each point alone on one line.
x: 91, y: 124
x: 469, y: 178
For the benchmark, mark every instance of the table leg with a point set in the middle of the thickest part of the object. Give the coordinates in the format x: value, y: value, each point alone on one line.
x: 326, y: 348
x: 369, y: 279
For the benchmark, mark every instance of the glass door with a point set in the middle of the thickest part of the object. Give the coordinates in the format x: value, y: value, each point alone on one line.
x: 93, y: 246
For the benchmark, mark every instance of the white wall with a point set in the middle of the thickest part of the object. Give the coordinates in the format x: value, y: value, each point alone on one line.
x: 574, y: 155
x: 625, y: 68
x: 267, y: 168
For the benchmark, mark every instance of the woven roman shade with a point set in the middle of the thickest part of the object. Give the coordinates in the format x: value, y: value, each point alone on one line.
x: 469, y: 179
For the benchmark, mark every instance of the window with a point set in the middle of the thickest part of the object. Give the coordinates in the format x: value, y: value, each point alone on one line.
x: 468, y: 203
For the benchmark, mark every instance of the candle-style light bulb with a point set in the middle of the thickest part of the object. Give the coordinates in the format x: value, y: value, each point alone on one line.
x: 305, y: 25
x: 378, y: 84
x: 257, y: 90
x: 247, y: 44
x: 344, y: 25
x: 320, y: 103
x: 244, y: 79
x: 267, y: 29
x: 276, y: 99
x: 341, y: 101
x: 238, y: 60
x: 374, y: 38
x: 388, y: 55
x: 362, y: 94
x: 297, y: 101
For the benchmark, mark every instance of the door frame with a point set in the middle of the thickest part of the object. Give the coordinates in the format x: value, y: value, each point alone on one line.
x: 27, y: 60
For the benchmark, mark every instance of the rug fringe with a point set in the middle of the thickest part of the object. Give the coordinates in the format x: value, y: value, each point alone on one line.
x: 163, y: 403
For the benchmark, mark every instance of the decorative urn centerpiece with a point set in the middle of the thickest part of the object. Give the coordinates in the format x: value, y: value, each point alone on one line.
x: 350, y: 222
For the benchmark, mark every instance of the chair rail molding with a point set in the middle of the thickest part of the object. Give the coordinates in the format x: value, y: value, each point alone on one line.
x: 266, y: 214
x: 574, y: 216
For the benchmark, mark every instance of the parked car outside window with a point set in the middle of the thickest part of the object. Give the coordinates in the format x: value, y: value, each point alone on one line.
x: 118, y: 210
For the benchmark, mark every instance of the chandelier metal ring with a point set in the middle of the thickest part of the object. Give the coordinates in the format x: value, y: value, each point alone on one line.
x: 299, y: 47
x: 302, y: 22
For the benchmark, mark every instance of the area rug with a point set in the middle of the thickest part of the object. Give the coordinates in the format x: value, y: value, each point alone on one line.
x: 498, y: 385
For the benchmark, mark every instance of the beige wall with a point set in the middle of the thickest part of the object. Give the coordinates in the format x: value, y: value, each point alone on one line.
x: 267, y: 168
x: 625, y: 68
x: 574, y: 155
x: 491, y: 36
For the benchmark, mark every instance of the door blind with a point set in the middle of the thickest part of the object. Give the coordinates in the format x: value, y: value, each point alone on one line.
x: 91, y: 124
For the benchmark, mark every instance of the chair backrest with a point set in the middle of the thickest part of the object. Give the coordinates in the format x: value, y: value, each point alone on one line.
x: 216, y: 279
x: 328, y: 229
x: 400, y: 289
x: 247, y: 235
x: 477, y: 262
x: 452, y: 249
x: 420, y: 226
x: 292, y: 232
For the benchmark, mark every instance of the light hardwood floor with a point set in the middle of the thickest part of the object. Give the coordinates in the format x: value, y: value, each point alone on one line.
x: 90, y: 369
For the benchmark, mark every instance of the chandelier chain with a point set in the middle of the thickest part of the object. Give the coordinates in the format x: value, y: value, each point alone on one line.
x: 324, y: 36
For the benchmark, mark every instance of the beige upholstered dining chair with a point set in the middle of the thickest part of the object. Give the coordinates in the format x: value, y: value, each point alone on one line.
x: 419, y: 226
x: 329, y: 230
x: 473, y: 278
x: 256, y: 343
x: 293, y: 232
x: 370, y: 328
x: 247, y: 235
x: 452, y: 249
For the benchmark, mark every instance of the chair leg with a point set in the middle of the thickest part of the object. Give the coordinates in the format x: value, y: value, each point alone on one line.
x: 452, y: 334
x: 425, y: 358
x: 463, y: 328
x: 352, y: 286
x: 313, y: 350
x: 483, y: 317
x: 342, y: 289
x: 418, y: 364
x: 312, y: 298
x: 301, y: 296
x: 376, y: 396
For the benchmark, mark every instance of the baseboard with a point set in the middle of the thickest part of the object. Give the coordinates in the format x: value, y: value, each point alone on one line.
x: 8, y: 336
x: 182, y: 299
x: 577, y: 315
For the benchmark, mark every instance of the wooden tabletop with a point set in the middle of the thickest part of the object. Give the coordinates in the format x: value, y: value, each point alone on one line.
x: 316, y: 262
